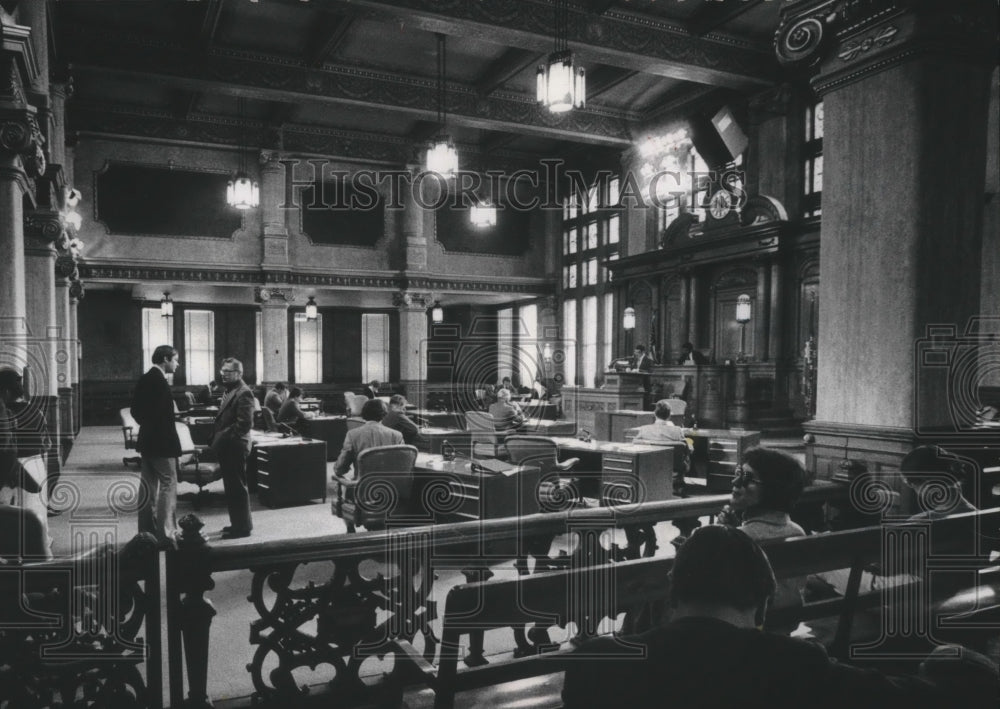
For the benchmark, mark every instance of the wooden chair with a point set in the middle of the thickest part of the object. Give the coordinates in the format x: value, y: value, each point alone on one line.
x: 380, y: 489
x: 191, y: 467
x: 269, y: 423
x: 485, y: 442
x: 556, y: 489
x: 130, y: 432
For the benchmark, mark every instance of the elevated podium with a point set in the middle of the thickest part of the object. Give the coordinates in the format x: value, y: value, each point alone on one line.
x: 621, y: 390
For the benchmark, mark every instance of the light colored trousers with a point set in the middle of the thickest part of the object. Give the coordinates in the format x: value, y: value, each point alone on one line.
x: 157, y: 515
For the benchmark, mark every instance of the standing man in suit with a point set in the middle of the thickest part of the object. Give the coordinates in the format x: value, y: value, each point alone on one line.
x: 231, y: 443
x: 370, y: 435
x: 153, y: 409
x: 641, y: 362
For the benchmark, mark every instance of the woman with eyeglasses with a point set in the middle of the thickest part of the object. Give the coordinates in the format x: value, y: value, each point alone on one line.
x: 766, y: 487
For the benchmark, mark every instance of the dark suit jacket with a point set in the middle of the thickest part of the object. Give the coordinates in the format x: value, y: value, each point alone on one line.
x: 290, y: 412
x: 644, y: 364
x: 699, y: 358
x: 371, y: 393
x: 234, y: 421
x: 153, y: 409
x: 704, y: 662
x: 372, y: 434
x: 399, y: 421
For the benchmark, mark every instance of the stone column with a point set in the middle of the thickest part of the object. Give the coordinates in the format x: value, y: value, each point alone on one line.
x: 412, y: 337
x: 685, y: 310
x: 57, y: 135
x: 35, y: 16
x: 414, y: 239
x: 774, y: 346
x: 65, y: 352
x: 762, y: 315
x: 13, y: 325
x: 274, y: 248
x: 694, y: 328
x: 75, y: 295
x: 44, y: 333
x: 905, y: 89
x: 274, y: 331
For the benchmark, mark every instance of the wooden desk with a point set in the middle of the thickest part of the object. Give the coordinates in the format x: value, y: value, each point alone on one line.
x: 290, y: 471
x: 438, y: 419
x: 478, y: 495
x: 539, y: 409
x: 311, y: 404
x: 541, y: 427
x: 330, y: 429
x: 431, y: 439
x: 612, y: 425
x: 626, y: 472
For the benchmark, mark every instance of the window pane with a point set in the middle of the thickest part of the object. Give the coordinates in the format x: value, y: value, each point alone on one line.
x: 572, y: 241
x: 613, y: 230
x: 592, y: 272
x: 309, y: 351
x: 569, y: 334
x: 375, y: 347
x: 505, y: 342
x: 592, y: 199
x: 817, y: 181
x: 199, y: 346
x: 609, y: 316
x: 529, y: 354
x: 818, y: 121
x: 572, y: 276
x: 572, y: 206
x: 156, y: 331
x: 613, y: 192
x: 592, y: 235
x: 588, y: 340
x: 260, y: 347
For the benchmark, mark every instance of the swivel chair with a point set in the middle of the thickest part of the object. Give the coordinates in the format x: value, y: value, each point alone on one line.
x: 130, y: 432
x: 380, y: 488
x: 191, y: 465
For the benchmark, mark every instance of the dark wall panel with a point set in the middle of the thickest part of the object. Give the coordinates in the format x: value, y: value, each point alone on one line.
x: 236, y: 336
x: 110, y: 327
x: 150, y: 200
x: 510, y: 237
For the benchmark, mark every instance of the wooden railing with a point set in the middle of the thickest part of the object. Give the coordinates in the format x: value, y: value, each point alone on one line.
x: 346, y: 607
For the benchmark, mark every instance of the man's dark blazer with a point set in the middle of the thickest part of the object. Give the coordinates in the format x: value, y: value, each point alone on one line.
x: 234, y: 421
x: 399, y: 421
x: 644, y: 363
x: 699, y: 358
x: 153, y: 409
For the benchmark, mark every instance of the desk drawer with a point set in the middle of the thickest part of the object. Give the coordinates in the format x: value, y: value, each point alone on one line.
x: 618, y: 463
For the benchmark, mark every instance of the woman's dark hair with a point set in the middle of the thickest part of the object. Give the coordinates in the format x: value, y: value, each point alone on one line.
x: 721, y: 565
x: 782, y: 478
x: 294, y: 392
x: 374, y: 410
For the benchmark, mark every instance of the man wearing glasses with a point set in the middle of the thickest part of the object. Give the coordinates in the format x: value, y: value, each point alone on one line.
x: 231, y: 443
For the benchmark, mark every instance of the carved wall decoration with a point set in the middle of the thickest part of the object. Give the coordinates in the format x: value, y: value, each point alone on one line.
x: 854, y: 47
x: 802, y: 39
x: 762, y: 209
x: 43, y: 225
x: 152, y: 200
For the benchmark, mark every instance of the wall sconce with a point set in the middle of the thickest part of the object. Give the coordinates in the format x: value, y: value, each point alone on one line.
x: 547, y: 352
x: 312, y: 311
x: 437, y: 313
x: 743, y: 313
x: 166, y: 306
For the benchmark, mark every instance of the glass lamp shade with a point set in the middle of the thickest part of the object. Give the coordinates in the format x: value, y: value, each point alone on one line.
x: 628, y: 322
x: 312, y: 310
x: 743, y: 309
x: 166, y: 306
x: 559, y: 85
x: 442, y: 157
x: 242, y: 192
x: 437, y: 314
x: 483, y: 215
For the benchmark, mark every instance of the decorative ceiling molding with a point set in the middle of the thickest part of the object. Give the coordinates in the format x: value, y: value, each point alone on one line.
x: 143, y: 273
x: 297, y: 139
x: 282, y: 79
x: 629, y: 40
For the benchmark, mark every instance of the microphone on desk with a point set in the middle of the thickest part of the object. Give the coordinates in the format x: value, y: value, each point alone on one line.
x: 287, y: 430
x: 585, y: 436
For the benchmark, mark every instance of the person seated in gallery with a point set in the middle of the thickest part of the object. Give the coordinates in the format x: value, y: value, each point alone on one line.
x: 276, y: 397
x: 508, y: 385
x: 397, y: 420
x: 766, y: 488
x: 371, y: 434
x: 291, y: 412
x: 690, y: 356
x: 662, y: 430
x: 641, y: 362
x: 489, y: 397
x: 712, y: 653
x: 936, y: 475
x: 507, y: 416
x: 371, y: 390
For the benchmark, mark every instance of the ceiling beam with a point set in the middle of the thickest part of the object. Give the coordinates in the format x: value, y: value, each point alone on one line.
x: 606, y: 78
x: 269, y: 78
x: 497, y: 141
x: 329, y: 37
x: 210, y: 23
x: 512, y: 63
x: 617, y: 37
x: 184, y: 103
x: 713, y: 15
x: 685, y: 99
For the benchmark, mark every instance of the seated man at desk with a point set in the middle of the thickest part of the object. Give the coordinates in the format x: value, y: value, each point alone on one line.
x: 662, y: 430
x: 690, y: 356
x: 371, y: 434
x: 277, y: 396
x: 506, y: 415
x: 397, y: 420
x: 641, y: 362
x: 291, y: 412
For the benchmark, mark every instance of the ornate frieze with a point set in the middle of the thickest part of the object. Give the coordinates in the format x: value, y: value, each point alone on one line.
x: 411, y: 300
x: 271, y: 294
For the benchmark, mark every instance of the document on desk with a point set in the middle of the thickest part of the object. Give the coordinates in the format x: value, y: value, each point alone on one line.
x: 497, y: 467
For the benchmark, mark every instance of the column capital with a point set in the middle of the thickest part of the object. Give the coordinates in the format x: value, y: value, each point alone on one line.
x: 411, y: 300
x: 21, y: 136
x: 44, y: 227
x: 273, y: 296
x: 76, y: 291
x: 853, y: 39
x: 66, y: 269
